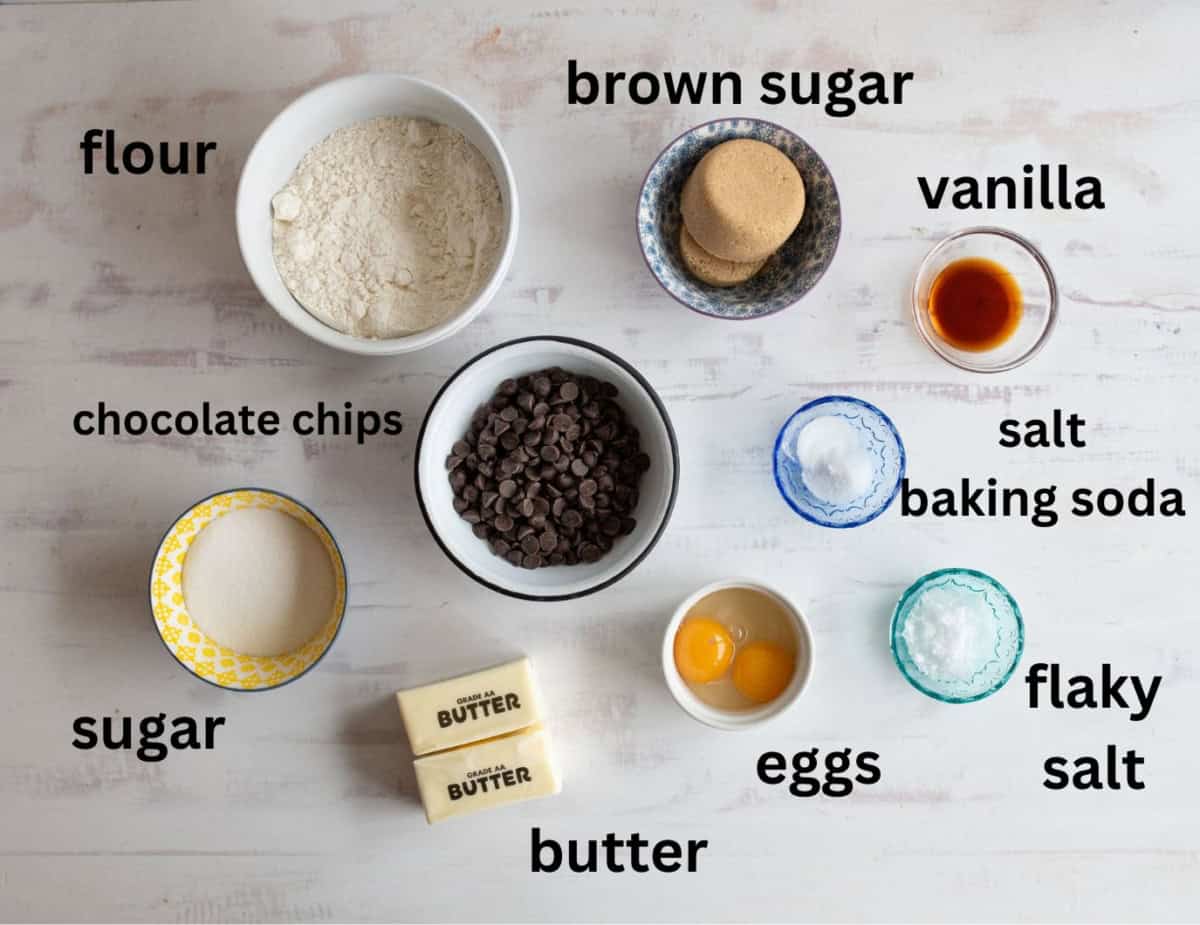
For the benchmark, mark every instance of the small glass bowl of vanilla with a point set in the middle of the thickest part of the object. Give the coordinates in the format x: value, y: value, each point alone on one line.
x: 985, y: 300
x: 737, y: 653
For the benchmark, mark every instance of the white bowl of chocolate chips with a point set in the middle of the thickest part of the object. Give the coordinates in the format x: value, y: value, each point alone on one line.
x: 547, y: 468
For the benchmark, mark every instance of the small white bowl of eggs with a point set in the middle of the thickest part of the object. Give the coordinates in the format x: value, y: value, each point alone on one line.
x: 737, y: 653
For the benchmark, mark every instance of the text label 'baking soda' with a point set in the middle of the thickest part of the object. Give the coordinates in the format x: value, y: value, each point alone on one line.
x: 1040, y: 505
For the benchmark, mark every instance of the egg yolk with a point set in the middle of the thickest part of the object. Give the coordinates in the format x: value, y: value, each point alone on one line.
x: 762, y: 671
x: 703, y: 650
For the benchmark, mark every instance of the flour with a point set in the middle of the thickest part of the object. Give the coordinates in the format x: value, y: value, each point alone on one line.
x: 388, y: 227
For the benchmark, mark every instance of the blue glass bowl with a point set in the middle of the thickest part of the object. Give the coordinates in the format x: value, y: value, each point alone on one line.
x: 1005, y: 653
x: 790, y: 272
x: 881, y: 439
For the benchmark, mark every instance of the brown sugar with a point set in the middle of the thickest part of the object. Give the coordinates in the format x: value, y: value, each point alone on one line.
x: 743, y: 200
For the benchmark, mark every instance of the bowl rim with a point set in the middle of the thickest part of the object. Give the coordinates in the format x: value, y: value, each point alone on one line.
x: 918, y: 586
x: 932, y: 341
x: 729, y: 720
x: 827, y: 399
x: 419, y: 340
x: 659, y: 407
x: 341, y: 617
x: 659, y: 157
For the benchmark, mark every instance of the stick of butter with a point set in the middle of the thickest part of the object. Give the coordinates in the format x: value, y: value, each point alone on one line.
x: 471, y: 707
x: 504, y: 770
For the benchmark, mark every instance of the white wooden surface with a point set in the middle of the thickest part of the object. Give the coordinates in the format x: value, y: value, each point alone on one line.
x: 132, y: 290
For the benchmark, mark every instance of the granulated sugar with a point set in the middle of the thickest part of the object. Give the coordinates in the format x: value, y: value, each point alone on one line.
x: 258, y: 582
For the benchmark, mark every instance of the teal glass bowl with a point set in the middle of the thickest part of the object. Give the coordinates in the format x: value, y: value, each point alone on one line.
x: 1004, y: 650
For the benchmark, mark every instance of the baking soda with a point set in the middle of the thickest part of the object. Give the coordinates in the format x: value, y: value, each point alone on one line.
x: 834, y: 461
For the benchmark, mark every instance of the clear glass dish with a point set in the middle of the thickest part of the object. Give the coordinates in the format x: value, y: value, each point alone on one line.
x: 1039, y: 297
x: 882, y: 441
x: 1006, y: 648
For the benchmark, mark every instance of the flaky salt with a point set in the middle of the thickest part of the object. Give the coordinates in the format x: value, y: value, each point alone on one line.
x: 950, y: 634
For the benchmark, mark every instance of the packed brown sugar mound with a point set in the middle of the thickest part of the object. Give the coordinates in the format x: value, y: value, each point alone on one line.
x: 743, y: 201
x: 708, y: 268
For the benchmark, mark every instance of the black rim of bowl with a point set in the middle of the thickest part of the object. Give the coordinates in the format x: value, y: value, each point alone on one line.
x: 662, y: 413
x: 638, y: 228
x: 341, y: 616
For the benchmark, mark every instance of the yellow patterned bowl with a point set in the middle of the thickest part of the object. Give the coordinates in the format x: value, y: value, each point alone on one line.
x: 188, y: 643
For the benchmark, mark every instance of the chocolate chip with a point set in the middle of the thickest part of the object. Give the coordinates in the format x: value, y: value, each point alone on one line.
x: 548, y: 471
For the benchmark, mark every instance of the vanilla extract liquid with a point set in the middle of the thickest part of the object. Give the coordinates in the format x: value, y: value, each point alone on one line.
x: 975, y: 304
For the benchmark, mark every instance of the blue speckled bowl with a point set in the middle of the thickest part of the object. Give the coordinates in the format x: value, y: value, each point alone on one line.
x: 1006, y: 651
x: 792, y: 270
x: 883, y: 442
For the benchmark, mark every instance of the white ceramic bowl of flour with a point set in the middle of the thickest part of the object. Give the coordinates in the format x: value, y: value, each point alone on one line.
x: 311, y: 119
